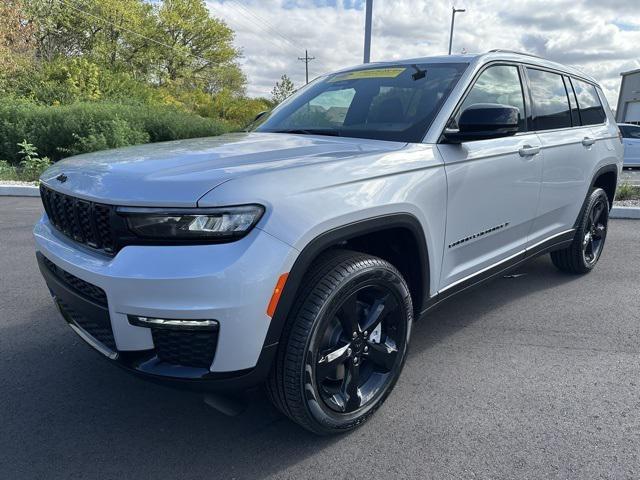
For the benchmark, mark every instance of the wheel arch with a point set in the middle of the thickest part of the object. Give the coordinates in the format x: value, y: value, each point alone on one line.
x: 354, y: 236
x: 606, y: 178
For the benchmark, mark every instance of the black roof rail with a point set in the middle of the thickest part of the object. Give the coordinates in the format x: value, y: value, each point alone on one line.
x: 513, y: 51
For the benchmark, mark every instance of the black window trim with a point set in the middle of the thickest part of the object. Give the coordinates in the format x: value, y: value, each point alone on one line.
x: 571, y: 77
x: 566, y: 93
x: 528, y: 104
x: 523, y: 87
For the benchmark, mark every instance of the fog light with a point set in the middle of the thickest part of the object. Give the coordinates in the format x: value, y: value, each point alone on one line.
x: 173, y: 324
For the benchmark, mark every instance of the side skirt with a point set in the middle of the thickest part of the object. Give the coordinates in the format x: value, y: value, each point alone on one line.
x: 557, y: 242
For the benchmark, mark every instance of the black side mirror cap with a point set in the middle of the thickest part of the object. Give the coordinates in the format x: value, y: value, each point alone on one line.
x: 483, y: 121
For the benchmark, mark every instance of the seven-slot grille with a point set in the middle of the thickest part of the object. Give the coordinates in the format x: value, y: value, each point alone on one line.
x: 85, y: 222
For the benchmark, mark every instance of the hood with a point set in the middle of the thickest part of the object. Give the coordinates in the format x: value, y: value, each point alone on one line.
x: 177, y: 174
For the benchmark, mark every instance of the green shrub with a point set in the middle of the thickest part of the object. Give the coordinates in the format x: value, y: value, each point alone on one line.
x: 7, y: 172
x: 63, y: 130
x: 626, y: 191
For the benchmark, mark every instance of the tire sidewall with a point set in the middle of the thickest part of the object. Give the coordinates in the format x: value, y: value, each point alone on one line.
x: 320, y: 413
x: 597, y: 194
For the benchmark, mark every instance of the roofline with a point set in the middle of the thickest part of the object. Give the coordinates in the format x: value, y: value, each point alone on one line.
x: 630, y: 72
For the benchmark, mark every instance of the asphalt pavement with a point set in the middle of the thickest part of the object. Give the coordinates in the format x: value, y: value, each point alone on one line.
x: 536, y: 376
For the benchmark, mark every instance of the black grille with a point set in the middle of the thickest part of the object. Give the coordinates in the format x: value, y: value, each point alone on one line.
x: 81, y: 287
x: 187, y: 348
x: 86, y: 222
x: 97, y: 328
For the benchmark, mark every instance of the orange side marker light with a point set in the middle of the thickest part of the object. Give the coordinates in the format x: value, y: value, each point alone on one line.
x: 277, y: 292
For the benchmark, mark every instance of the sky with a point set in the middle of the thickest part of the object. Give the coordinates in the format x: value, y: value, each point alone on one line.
x: 600, y: 37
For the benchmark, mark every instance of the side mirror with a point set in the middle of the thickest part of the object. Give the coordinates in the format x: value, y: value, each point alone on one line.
x: 483, y: 121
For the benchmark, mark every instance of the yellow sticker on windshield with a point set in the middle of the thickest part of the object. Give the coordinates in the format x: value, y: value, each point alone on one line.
x: 373, y: 73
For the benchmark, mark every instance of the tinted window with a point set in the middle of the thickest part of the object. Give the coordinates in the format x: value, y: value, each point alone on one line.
x: 575, y: 115
x: 499, y: 84
x: 395, y: 103
x: 630, y: 132
x: 550, y: 103
x: 591, y: 110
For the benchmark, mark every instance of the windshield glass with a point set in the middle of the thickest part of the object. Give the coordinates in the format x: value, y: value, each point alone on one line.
x: 395, y: 103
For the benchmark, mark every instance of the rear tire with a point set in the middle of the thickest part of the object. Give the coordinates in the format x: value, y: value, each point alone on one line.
x: 584, y: 252
x: 344, y: 344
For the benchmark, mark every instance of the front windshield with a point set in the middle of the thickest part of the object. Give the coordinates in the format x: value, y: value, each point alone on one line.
x: 396, y: 103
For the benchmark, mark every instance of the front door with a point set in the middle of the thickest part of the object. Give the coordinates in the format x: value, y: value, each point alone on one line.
x: 493, y: 185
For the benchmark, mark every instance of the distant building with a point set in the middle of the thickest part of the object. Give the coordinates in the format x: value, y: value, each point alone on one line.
x: 628, y: 110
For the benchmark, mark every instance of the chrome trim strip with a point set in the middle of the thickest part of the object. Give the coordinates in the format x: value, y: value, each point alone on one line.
x: 107, y: 352
x: 506, y: 260
x: 174, y: 324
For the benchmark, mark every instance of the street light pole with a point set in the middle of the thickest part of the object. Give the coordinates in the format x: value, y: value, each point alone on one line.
x: 367, y: 31
x: 454, y: 10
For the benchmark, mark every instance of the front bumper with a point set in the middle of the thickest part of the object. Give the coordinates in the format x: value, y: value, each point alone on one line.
x: 230, y: 283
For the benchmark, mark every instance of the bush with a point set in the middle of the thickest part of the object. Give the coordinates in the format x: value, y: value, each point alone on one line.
x: 626, y: 191
x: 63, y: 130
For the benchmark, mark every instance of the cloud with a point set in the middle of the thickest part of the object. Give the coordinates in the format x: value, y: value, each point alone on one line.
x: 597, y: 36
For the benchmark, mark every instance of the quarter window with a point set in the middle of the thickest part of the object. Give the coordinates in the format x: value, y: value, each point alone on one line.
x: 498, y: 84
x: 550, y: 103
x: 591, y: 110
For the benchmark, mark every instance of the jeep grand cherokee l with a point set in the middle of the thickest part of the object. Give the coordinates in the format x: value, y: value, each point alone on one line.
x: 299, y: 254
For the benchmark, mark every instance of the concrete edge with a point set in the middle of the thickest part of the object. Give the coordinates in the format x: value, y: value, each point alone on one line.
x: 625, y: 212
x: 19, y: 191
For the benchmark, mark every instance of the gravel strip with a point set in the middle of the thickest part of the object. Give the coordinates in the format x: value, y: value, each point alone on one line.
x: 17, y: 182
x: 626, y: 203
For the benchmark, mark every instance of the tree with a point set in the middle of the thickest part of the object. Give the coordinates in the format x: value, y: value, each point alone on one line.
x: 16, y: 36
x: 282, y: 89
x: 199, y: 48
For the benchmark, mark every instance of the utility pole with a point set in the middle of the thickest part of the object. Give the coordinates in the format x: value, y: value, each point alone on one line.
x: 306, y: 59
x: 367, y: 31
x: 454, y: 10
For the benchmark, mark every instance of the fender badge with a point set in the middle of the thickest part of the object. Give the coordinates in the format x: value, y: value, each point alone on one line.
x: 61, y: 178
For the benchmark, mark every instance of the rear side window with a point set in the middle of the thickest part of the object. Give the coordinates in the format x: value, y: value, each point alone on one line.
x: 630, y: 132
x: 550, y: 103
x: 498, y: 84
x: 591, y: 110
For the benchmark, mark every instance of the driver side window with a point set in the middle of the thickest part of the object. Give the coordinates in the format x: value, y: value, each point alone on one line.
x: 498, y: 84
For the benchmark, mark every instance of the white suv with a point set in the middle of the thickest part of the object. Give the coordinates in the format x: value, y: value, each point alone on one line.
x: 299, y: 254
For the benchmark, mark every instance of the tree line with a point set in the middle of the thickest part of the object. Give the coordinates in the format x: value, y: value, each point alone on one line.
x: 88, y: 55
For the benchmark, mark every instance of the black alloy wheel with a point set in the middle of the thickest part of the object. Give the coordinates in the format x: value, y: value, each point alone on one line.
x: 582, y: 255
x: 357, y: 354
x: 344, y: 344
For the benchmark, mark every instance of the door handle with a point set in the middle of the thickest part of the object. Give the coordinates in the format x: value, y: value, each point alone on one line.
x: 528, y: 151
x: 587, y: 142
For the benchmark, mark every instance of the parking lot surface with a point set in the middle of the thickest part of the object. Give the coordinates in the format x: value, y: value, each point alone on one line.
x: 536, y: 376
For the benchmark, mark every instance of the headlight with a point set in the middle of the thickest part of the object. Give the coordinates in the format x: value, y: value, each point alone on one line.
x: 200, y: 224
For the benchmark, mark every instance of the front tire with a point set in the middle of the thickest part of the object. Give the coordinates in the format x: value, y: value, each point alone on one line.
x: 345, y: 343
x: 584, y: 252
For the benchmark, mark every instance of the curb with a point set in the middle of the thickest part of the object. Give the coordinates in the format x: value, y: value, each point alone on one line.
x: 19, y: 191
x: 625, y: 212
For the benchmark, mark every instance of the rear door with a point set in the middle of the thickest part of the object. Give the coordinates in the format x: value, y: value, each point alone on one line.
x: 493, y: 185
x: 570, y: 154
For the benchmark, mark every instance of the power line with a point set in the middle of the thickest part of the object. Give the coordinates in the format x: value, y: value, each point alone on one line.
x: 269, y: 25
x: 243, y: 19
x: 306, y: 59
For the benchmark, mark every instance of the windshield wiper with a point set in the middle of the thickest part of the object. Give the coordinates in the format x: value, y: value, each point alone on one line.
x: 309, y: 131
